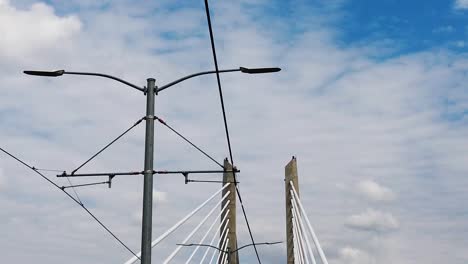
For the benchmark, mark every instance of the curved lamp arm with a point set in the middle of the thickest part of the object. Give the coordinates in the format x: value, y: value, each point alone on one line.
x: 241, y: 69
x: 62, y: 72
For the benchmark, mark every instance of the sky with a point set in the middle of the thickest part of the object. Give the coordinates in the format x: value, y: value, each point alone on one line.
x: 371, y: 100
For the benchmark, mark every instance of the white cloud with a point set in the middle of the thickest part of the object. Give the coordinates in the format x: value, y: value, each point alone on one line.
x: 352, y: 255
x: 32, y: 30
x: 374, y: 191
x: 461, y: 4
x: 373, y: 220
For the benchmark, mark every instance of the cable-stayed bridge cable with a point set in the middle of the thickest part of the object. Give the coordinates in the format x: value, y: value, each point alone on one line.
x: 223, y: 247
x: 177, y: 225
x: 300, y: 246
x: 301, y: 227
x: 300, y: 238
x: 221, y: 238
x: 209, y: 229
x: 196, y: 228
x: 311, y: 230
x: 214, y: 235
x: 224, y: 254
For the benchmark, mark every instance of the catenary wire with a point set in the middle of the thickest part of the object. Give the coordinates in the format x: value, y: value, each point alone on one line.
x: 207, y: 10
x: 71, y: 197
x: 73, y: 188
x: 41, y: 169
x: 188, y: 141
x: 69, y: 181
x: 108, y: 145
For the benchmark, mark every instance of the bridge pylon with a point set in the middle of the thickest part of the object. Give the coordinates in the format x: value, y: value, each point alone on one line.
x: 290, y: 176
x: 228, y: 177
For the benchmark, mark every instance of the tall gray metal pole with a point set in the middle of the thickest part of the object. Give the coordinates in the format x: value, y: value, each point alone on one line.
x: 147, y: 221
x: 290, y: 175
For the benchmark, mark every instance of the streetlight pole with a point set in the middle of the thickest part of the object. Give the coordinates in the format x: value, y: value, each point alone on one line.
x: 151, y: 90
x: 146, y: 226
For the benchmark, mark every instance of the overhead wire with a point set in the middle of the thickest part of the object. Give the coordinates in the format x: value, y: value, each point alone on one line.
x: 213, y: 49
x: 73, y: 188
x: 40, y: 169
x: 69, y: 181
x: 71, y: 197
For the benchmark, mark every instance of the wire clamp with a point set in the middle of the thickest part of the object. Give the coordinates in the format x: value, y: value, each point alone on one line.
x: 186, y: 177
x: 111, y: 176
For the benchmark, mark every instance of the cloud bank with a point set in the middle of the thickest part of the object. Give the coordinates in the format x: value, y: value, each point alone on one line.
x: 348, y: 113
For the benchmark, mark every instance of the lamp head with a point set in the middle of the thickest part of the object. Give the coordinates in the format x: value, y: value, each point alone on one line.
x: 46, y: 73
x: 259, y: 70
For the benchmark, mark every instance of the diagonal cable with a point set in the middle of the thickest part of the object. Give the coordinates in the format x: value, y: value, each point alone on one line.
x: 188, y: 141
x: 207, y: 9
x: 73, y: 188
x: 71, y: 197
x: 108, y: 145
x: 69, y: 181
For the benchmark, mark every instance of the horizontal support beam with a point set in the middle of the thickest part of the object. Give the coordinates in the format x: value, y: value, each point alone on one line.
x: 64, y: 174
x: 183, y: 172
x: 207, y: 181
x: 194, y: 172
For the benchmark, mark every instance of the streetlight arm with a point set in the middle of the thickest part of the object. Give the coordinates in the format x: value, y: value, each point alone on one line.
x: 62, y: 72
x: 241, y: 69
x: 191, y: 76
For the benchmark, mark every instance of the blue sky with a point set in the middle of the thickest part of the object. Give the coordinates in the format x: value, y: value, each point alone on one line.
x: 372, y: 100
x: 412, y: 25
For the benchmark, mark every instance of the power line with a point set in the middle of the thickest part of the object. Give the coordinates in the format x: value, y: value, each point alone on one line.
x: 68, y: 179
x: 213, y: 49
x: 71, y: 197
x: 73, y: 188
x: 108, y: 145
x: 40, y: 169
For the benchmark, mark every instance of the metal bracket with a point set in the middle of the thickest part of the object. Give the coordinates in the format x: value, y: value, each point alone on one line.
x: 110, y: 181
x: 186, y: 177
